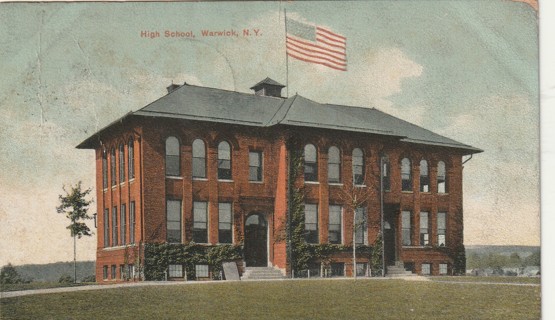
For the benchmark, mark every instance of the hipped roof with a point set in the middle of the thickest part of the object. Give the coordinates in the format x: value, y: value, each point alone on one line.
x: 222, y: 106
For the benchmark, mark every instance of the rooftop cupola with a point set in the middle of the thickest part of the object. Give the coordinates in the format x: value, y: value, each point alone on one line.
x: 174, y: 86
x: 268, y: 87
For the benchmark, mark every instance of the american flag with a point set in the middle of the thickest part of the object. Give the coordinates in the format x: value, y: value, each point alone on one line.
x: 316, y: 44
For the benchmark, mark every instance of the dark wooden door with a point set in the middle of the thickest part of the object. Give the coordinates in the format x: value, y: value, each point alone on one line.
x: 389, y: 245
x: 256, y: 241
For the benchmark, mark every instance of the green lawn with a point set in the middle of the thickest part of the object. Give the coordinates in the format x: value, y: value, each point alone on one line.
x: 308, y: 299
x: 499, y: 279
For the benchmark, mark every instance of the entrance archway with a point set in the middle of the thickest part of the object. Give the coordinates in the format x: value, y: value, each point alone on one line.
x: 256, y: 241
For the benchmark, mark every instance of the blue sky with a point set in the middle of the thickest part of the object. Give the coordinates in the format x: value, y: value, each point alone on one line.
x: 464, y: 69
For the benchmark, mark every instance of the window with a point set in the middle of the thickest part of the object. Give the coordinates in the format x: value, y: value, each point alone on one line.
x: 424, y: 229
x: 337, y: 269
x: 121, y: 163
x: 224, y: 222
x: 311, y: 223
x: 362, y: 269
x: 334, y: 227
x: 334, y: 165
x: 105, y: 272
x: 310, y: 163
x: 406, y: 177
x: 173, y: 221
x: 199, y: 159
x: 172, y: 156
x: 113, y: 166
x: 130, y: 271
x: 361, y: 226
x: 132, y: 222
x: 114, y: 226
x: 130, y: 160
x: 104, y: 169
x: 424, y: 177
x: 201, y: 271
x: 200, y: 222
x: 358, y: 167
x: 224, y: 161
x: 441, y: 178
x: 441, y: 229
x: 443, y: 268
x: 121, y: 271
x: 406, y: 228
x: 386, y: 174
x: 255, y: 166
x: 175, y: 271
x: 106, y: 228
x: 426, y: 269
x: 123, y: 223
x: 114, y: 275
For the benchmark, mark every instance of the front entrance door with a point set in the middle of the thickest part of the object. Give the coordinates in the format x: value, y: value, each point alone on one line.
x: 256, y: 241
x: 389, y: 239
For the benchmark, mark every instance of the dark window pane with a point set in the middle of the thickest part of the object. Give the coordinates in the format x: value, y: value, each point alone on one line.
x: 131, y: 160
x: 173, y: 221
x: 406, y: 228
x: 199, y: 159
x: 199, y: 167
x: 200, y: 222
x: 311, y: 223
x: 386, y: 175
x: 255, y: 166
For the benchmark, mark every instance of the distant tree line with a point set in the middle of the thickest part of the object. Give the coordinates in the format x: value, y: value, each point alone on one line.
x: 497, y: 261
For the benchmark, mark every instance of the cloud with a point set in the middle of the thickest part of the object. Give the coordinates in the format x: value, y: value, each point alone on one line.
x: 501, y: 185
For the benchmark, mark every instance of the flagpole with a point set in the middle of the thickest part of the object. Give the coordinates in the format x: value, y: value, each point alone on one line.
x: 286, y: 57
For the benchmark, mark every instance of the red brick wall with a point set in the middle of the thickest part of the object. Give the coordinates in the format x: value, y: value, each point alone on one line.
x: 151, y: 188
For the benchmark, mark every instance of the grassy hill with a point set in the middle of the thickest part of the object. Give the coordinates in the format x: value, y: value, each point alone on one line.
x: 51, y: 272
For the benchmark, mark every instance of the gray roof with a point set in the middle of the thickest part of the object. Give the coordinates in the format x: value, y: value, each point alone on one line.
x: 222, y: 106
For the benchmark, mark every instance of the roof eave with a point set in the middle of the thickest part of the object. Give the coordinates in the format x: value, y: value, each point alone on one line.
x: 90, y: 142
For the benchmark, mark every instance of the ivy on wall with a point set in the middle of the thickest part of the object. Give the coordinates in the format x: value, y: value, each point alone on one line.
x: 158, y: 256
x: 301, y: 253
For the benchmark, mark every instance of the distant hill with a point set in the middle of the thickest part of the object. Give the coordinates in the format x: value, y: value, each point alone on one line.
x: 51, y: 272
x: 523, y: 251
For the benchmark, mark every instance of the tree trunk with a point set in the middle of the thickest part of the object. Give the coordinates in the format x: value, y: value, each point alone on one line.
x: 74, y: 260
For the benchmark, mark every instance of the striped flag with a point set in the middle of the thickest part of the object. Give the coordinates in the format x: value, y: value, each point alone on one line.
x: 316, y: 45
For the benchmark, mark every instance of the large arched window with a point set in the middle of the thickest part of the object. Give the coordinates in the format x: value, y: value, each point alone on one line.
x: 441, y: 178
x: 358, y: 167
x: 224, y: 161
x: 406, y: 177
x: 104, y: 169
x: 199, y: 159
x: 130, y: 160
x: 121, y: 160
x: 113, y: 167
x: 424, y: 177
x: 172, y: 156
x: 334, y: 165
x: 310, y: 163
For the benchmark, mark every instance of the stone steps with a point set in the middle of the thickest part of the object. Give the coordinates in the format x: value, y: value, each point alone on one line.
x: 398, y: 271
x: 262, y: 273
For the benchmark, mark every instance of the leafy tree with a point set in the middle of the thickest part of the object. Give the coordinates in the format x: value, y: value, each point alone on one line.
x: 514, y: 260
x: 533, y: 260
x: 75, y: 207
x: 65, y: 278
x: 8, y: 275
x: 89, y: 278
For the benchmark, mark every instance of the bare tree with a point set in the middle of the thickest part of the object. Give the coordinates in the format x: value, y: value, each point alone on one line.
x: 355, y: 197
